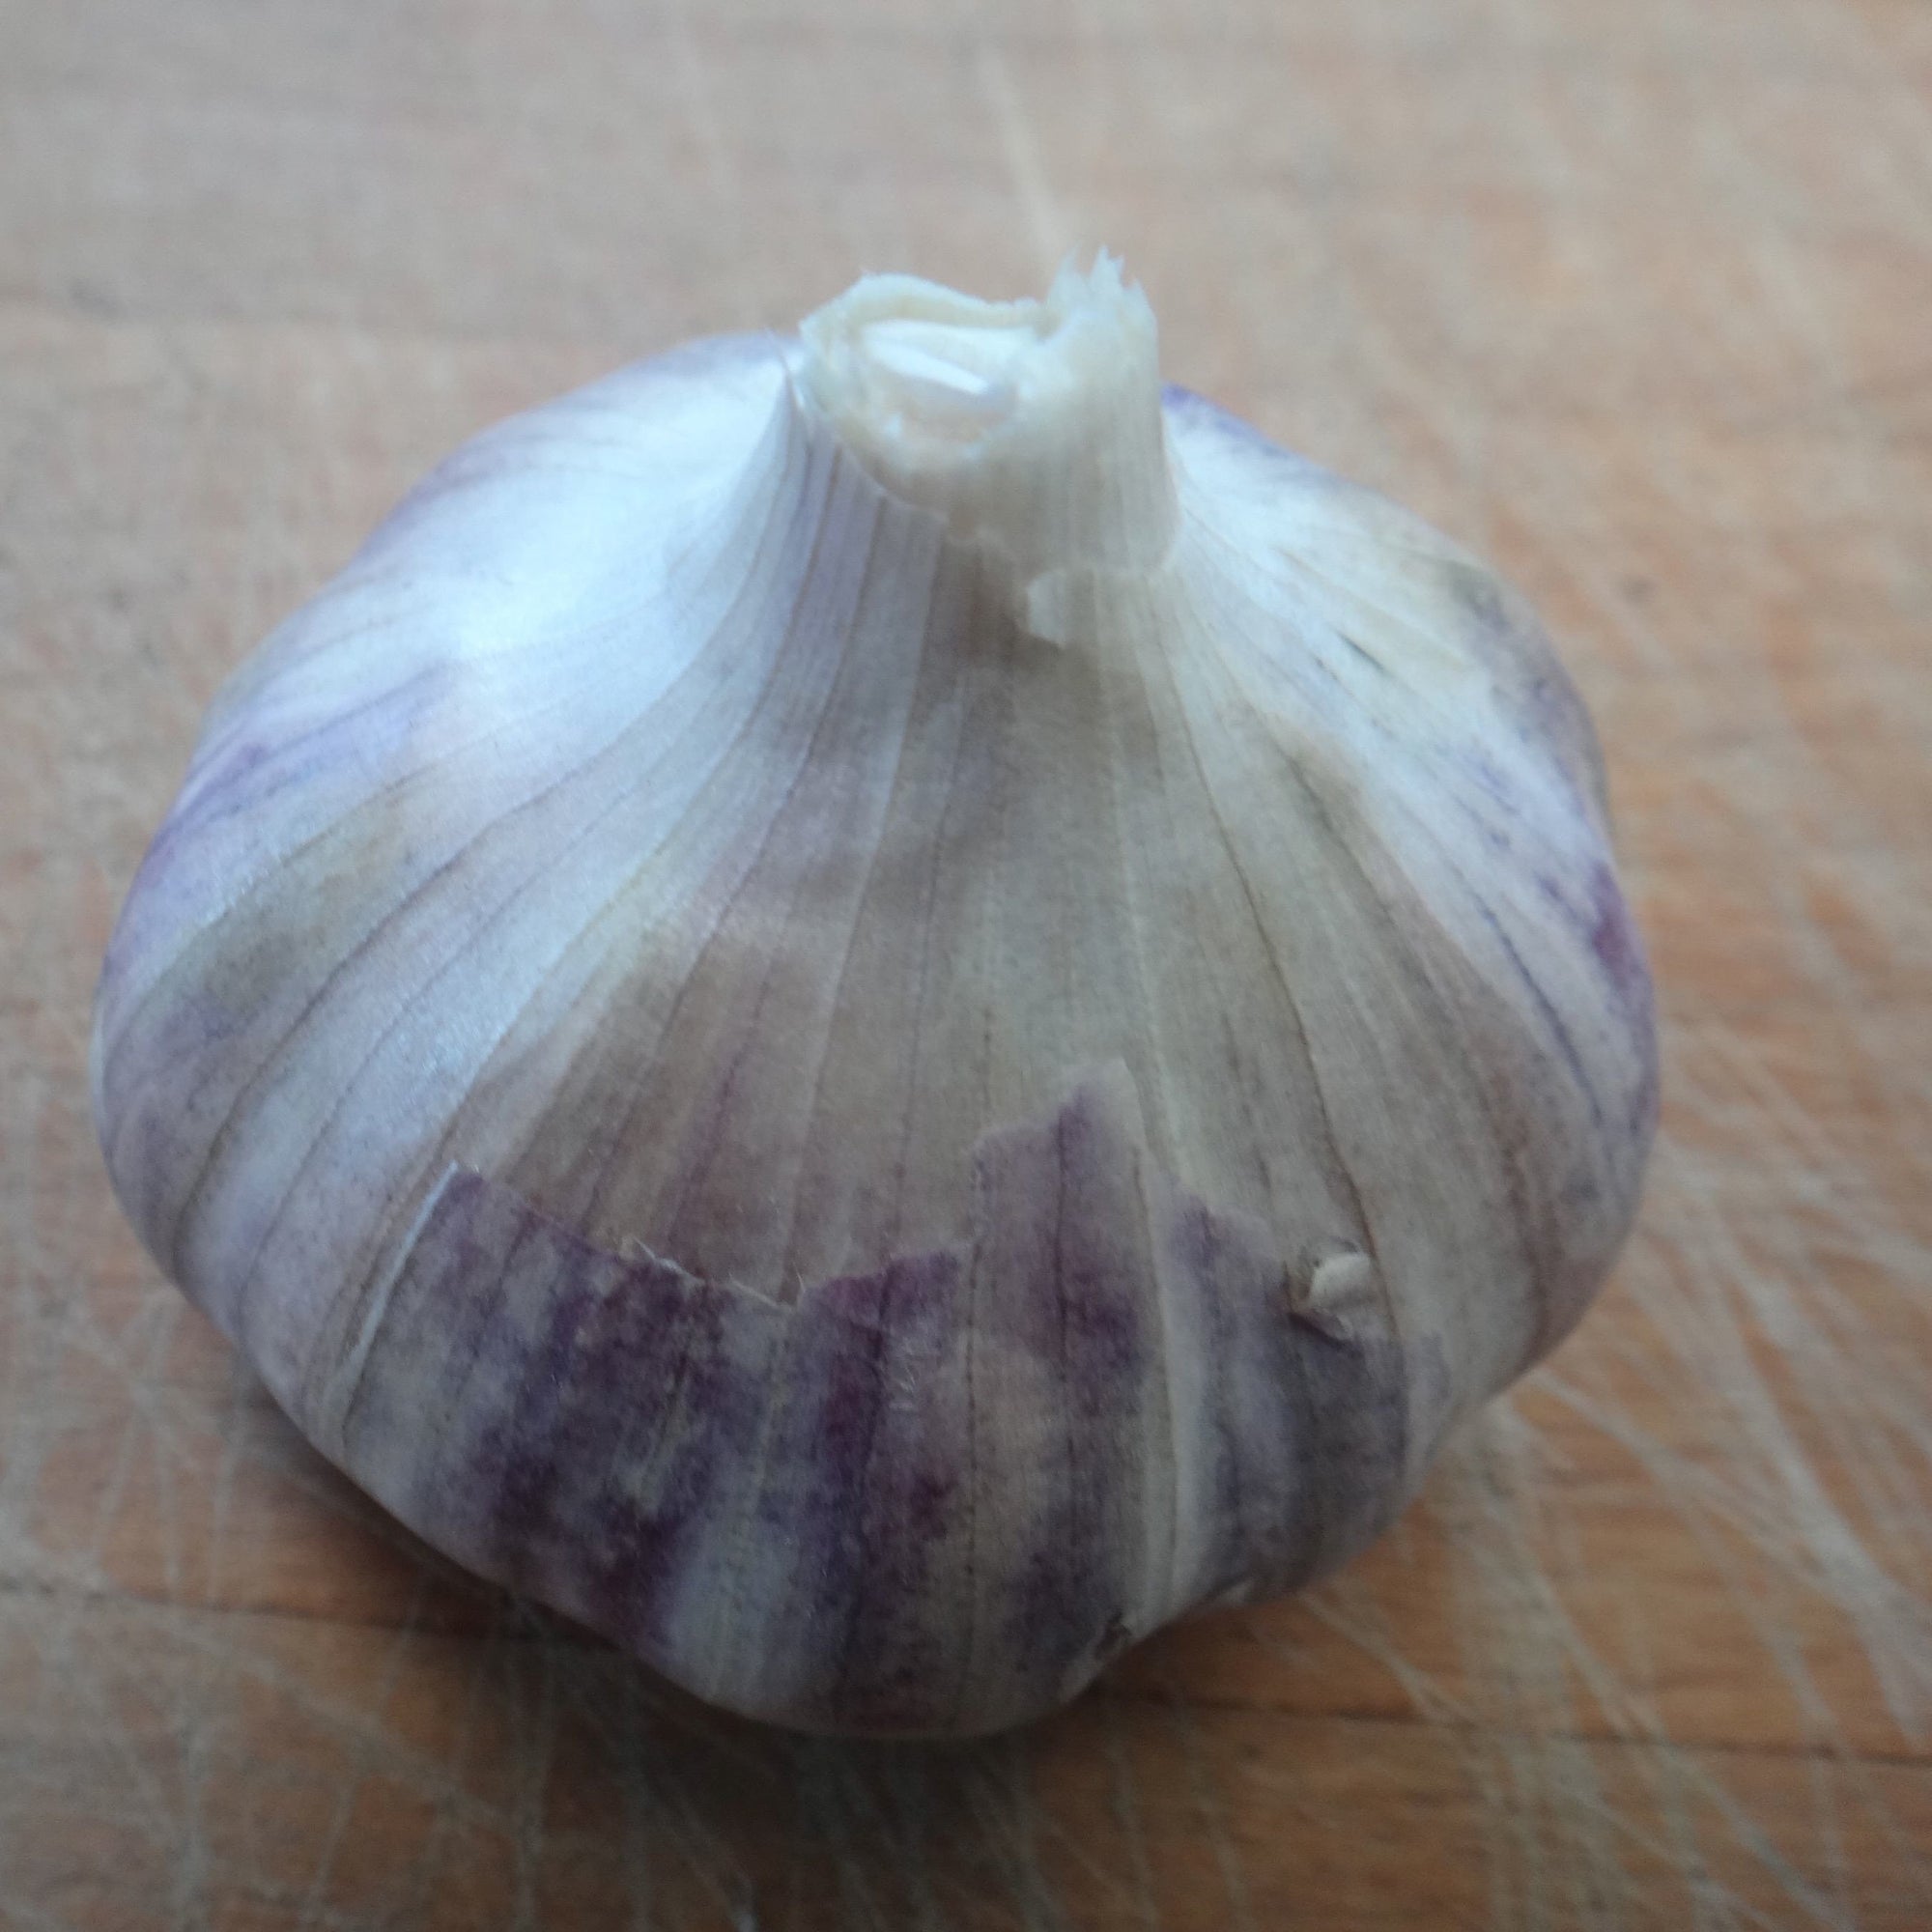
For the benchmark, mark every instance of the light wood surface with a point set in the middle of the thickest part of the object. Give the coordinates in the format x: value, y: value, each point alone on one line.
x: 1634, y: 295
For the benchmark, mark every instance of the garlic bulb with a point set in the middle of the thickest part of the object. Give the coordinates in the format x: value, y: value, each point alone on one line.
x: 880, y: 1010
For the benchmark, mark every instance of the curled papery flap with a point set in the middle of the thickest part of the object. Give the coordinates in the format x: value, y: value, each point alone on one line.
x: 934, y: 1497
x: 881, y: 1008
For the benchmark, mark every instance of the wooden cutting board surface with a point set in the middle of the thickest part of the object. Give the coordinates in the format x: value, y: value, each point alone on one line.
x: 1634, y: 295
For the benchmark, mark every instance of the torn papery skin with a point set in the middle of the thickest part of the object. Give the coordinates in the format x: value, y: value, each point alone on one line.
x: 880, y: 1010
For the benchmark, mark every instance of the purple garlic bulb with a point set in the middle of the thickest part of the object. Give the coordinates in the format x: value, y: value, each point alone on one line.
x: 877, y: 1009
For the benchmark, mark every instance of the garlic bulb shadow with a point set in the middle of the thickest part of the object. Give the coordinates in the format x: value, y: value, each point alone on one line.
x: 878, y: 1011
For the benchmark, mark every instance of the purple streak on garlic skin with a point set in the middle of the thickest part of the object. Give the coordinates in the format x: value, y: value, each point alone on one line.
x: 807, y: 1512
x: 871, y: 1108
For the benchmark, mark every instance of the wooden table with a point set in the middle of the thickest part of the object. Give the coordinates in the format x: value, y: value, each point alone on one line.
x: 1633, y: 295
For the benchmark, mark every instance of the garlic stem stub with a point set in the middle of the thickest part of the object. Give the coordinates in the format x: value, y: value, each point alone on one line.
x: 879, y: 1009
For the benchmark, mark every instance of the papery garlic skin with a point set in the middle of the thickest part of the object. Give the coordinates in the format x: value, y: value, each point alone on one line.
x: 878, y: 1011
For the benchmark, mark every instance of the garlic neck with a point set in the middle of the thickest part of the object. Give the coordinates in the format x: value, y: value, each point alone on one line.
x: 1033, y: 427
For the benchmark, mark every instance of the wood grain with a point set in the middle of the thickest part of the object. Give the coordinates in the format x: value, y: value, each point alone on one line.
x: 1631, y: 296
